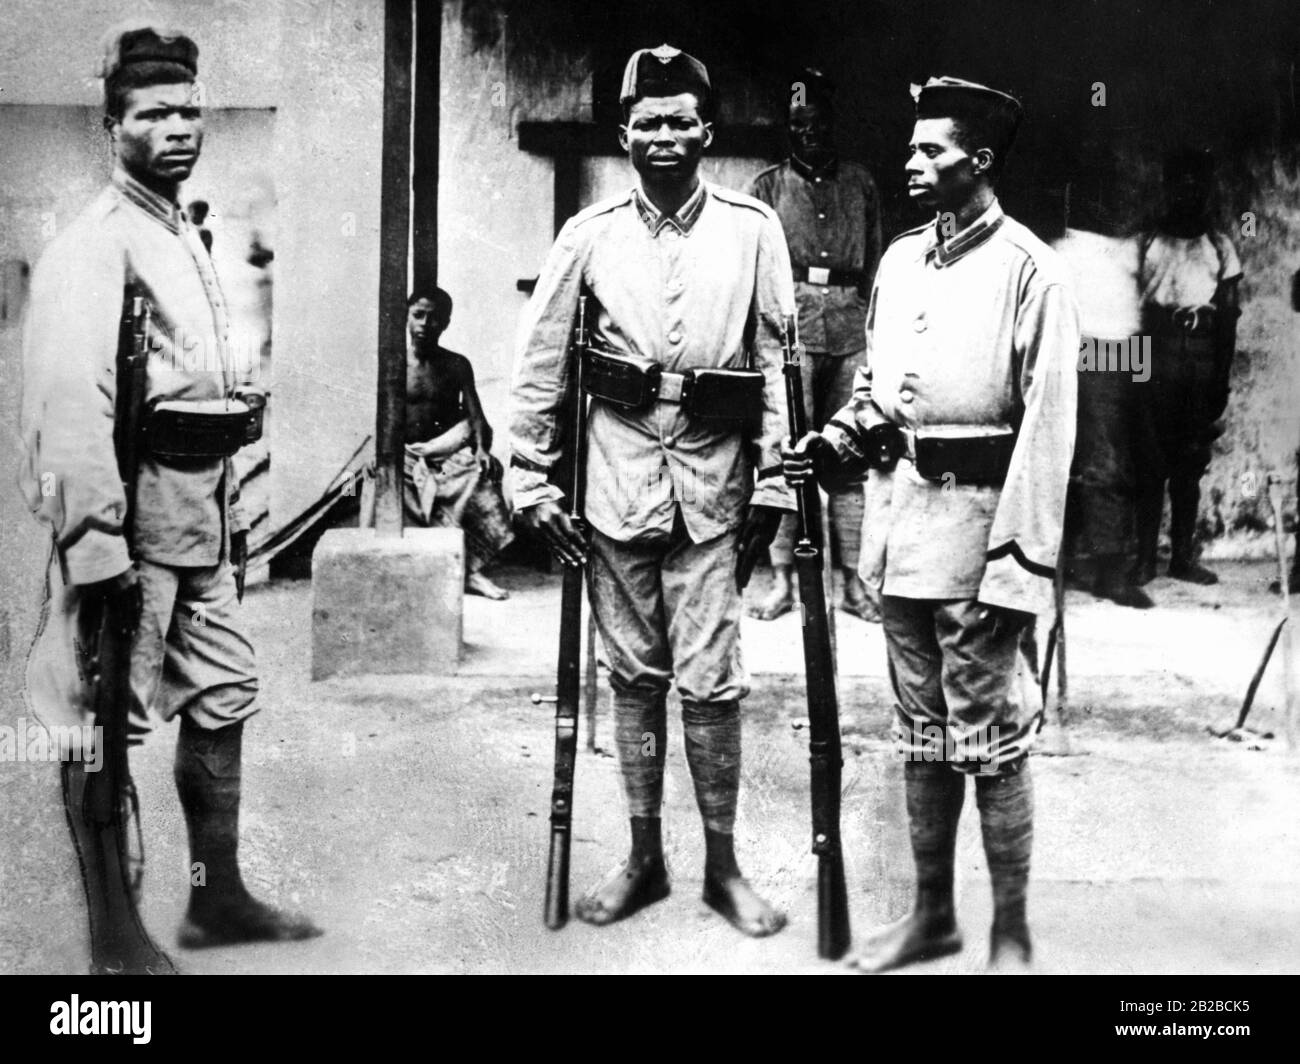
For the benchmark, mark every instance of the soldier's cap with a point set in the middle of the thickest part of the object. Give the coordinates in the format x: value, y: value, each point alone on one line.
x: 993, y: 115
x: 137, y: 43
x: 663, y: 71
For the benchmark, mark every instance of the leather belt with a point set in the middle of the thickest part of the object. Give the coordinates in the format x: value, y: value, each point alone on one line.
x: 832, y: 278
x: 1181, y: 321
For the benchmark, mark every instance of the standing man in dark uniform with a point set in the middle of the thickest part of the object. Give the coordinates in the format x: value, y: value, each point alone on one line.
x: 965, y: 409
x: 830, y: 210
x: 1188, y: 274
x: 683, y: 278
x: 178, y: 581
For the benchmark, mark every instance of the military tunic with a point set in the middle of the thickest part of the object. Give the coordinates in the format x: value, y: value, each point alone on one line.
x: 707, y: 287
x: 130, y: 240
x: 979, y: 331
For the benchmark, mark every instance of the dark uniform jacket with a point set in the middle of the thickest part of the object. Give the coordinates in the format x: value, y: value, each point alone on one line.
x: 832, y: 222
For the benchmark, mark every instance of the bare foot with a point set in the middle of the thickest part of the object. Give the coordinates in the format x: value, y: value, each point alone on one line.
x: 907, y: 941
x: 1010, y: 952
x: 734, y: 899
x: 857, y: 601
x: 777, y: 604
x: 243, y: 920
x: 1192, y: 573
x: 634, y: 886
x: 478, y: 584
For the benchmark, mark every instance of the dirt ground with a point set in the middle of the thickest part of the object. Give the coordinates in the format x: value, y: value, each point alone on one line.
x: 408, y: 816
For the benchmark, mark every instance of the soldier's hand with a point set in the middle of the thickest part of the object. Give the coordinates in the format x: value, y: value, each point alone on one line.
x: 121, y: 597
x: 239, y: 559
x: 799, y: 461
x: 761, y: 524
x: 549, y: 521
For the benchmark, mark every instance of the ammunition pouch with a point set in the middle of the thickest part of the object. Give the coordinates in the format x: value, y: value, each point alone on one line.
x: 881, y: 445
x: 627, y: 381
x: 632, y: 382
x: 723, y: 394
x: 885, y: 445
x: 203, y: 428
x: 968, y: 457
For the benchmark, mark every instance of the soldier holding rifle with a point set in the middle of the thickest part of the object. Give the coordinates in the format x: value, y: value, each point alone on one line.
x: 965, y: 409
x: 156, y: 551
x: 687, y: 288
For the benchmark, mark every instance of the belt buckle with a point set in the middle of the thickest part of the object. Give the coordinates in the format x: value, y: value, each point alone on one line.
x: 819, y: 275
x: 670, y: 387
x: 1187, y: 318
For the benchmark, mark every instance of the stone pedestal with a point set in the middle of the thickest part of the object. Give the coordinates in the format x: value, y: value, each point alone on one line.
x: 383, y: 605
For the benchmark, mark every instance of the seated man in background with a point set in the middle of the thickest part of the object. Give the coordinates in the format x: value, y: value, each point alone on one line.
x: 451, y: 479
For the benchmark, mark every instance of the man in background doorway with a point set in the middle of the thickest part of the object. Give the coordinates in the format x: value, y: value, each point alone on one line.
x: 830, y: 210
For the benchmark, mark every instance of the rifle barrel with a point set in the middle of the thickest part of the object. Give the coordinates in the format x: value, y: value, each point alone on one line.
x: 824, y: 752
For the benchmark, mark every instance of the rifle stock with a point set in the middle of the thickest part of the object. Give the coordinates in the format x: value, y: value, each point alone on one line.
x: 568, y: 666
x: 824, y: 753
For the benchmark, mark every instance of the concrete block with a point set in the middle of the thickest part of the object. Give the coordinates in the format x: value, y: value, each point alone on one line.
x: 383, y: 605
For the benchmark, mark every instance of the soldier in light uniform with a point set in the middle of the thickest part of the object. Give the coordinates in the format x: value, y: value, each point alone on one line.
x: 683, y: 277
x: 966, y: 411
x: 830, y: 210
x: 189, y: 658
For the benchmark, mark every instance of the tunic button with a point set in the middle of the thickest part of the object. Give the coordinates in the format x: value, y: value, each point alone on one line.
x: 906, y: 396
x: 671, y: 234
x: 674, y: 337
x: 919, y: 324
x: 821, y: 214
x: 670, y: 441
x: 826, y: 254
x: 826, y: 291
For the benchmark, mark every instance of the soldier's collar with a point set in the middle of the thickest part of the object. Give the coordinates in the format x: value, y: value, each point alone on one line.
x: 154, y: 205
x: 683, y: 221
x: 804, y: 170
x: 949, y: 250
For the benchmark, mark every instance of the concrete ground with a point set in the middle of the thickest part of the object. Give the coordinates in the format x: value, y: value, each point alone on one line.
x: 408, y: 815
